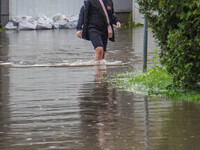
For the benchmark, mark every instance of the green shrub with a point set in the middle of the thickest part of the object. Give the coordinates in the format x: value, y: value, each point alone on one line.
x: 176, y: 26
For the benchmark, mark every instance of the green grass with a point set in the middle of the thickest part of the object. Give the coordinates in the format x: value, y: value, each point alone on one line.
x: 1, y: 29
x: 155, y: 81
x: 131, y: 24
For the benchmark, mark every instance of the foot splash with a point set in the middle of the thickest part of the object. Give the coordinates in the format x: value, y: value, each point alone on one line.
x: 65, y: 63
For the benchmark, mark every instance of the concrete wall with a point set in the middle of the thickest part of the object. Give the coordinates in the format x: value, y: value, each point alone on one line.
x: 52, y: 7
x: 34, y: 8
x: 123, y: 8
x: 44, y: 7
x: 137, y: 16
x: 4, y: 12
x: 123, y: 5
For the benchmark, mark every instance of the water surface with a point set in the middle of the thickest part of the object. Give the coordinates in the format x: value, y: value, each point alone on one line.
x: 52, y: 96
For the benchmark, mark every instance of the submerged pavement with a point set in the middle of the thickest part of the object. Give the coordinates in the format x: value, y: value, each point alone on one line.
x: 52, y: 96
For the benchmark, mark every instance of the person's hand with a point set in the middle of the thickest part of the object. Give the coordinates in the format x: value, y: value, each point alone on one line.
x: 118, y: 24
x: 79, y: 33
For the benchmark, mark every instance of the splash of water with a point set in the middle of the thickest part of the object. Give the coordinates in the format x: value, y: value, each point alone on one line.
x: 65, y: 63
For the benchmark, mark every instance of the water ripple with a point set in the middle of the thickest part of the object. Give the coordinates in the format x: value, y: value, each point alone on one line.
x: 79, y: 63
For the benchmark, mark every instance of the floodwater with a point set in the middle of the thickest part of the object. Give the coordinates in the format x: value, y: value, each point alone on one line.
x: 52, y: 96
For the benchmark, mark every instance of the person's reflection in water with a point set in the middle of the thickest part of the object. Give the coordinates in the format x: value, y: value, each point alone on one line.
x: 99, y: 110
x: 100, y: 71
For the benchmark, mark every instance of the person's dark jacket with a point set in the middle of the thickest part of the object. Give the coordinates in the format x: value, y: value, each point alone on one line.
x: 92, y: 16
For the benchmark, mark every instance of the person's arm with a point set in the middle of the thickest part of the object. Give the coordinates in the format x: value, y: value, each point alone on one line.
x: 80, y: 19
x: 115, y: 20
x: 80, y: 23
x: 83, y: 18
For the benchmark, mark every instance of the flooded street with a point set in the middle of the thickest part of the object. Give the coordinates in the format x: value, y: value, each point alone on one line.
x: 52, y: 96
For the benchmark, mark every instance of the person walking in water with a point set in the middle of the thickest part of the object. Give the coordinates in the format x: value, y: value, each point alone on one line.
x: 95, y: 23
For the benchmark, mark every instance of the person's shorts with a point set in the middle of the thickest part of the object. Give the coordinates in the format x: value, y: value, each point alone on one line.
x: 98, y: 39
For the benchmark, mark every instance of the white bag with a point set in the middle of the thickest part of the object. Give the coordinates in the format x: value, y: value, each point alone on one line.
x: 43, y: 25
x: 25, y: 25
x: 10, y: 26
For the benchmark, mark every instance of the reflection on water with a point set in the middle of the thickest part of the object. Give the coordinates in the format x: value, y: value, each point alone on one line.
x: 106, y: 120
x: 44, y: 105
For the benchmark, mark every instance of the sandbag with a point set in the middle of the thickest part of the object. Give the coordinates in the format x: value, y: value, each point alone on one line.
x: 10, y: 26
x: 25, y: 25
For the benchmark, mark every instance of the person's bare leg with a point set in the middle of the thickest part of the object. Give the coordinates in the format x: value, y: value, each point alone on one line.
x: 104, y: 55
x: 98, y: 53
